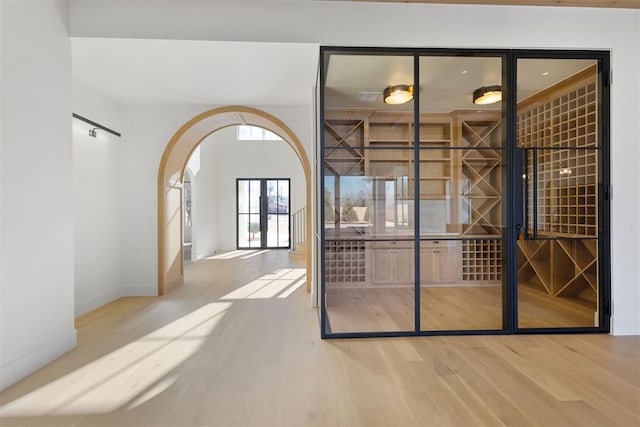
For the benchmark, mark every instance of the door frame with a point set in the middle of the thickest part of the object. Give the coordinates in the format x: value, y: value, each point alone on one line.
x: 171, y: 170
x: 263, y: 213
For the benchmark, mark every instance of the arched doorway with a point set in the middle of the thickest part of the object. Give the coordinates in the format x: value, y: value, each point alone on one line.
x: 171, y: 172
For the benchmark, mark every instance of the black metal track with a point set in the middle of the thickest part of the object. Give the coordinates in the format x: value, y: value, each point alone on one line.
x: 96, y: 124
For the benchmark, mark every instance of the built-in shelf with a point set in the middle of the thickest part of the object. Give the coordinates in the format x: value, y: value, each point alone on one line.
x: 560, y: 136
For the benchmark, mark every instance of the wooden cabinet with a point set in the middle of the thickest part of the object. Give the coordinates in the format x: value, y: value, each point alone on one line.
x: 439, y: 262
x: 392, y: 263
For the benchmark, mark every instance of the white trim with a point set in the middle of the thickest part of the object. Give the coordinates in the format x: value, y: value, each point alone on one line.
x: 17, y: 369
x: 625, y: 325
x: 113, y: 294
x: 96, y: 301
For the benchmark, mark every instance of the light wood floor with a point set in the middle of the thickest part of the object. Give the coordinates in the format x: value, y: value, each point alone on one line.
x: 238, y: 346
x: 448, y: 308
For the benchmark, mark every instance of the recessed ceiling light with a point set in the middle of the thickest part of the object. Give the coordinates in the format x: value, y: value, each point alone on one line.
x: 546, y: 73
x: 464, y: 71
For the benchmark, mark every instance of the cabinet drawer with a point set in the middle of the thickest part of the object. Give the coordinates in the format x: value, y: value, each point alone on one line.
x: 392, y: 245
x: 439, y: 244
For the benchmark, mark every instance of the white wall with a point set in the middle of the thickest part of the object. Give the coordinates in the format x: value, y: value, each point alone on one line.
x: 250, y: 159
x: 96, y: 184
x: 146, y: 132
x: 36, y: 280
x: 205, y: 230
x: 216, y: 164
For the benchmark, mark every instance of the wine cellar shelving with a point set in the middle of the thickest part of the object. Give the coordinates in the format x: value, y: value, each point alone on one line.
x: 344, y: 263
x: 562, y: 268
x: 482, y: 260
x: 344, y: 140
x: 461, y: 177
x: 559, y: 134
x: 460, y: 189
x: 481, y: 197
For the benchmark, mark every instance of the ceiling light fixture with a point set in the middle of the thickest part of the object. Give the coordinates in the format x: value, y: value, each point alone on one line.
x: 487, y: 95
x: 398, y: 94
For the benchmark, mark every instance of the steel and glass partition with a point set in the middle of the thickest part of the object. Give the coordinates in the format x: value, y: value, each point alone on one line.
x: 427, y: 189
x: 561, y: 247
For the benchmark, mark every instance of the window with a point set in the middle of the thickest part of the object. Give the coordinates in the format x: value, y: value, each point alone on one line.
x: 254, y: 133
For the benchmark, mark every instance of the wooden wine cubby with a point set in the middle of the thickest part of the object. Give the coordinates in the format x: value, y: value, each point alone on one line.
x: 344, y: 263
x: 559, y: 132
x: 482, y: 260
x: 343, y: 141
x: 562, y: 268
x: 481, y: 194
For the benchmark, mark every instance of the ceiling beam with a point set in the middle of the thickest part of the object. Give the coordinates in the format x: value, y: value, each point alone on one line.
x: 624, y: 4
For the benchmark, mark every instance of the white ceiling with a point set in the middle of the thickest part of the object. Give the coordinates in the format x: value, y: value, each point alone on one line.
x: 136, y: 71
x: 132, y: 71
x: 446, y: 82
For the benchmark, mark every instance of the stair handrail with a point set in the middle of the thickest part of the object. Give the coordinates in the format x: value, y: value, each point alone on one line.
x: 298, y: 228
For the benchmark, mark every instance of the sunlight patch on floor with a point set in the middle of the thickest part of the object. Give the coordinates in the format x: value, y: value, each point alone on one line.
x: 255, y: 254
x: 233, y: 254
x: 272, y: 285
x: 126, y: 377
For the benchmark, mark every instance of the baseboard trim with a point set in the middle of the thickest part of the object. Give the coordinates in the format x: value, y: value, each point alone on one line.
x: 150, y: 290
x: 28, y: 363
x: 94, y: 302
x: 113, y: 294
x: 629, y: 325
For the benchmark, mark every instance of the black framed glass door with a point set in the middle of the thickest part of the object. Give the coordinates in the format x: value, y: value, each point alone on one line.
x: 561, y: 241
x: 263, y: 209
x: 476, y: 204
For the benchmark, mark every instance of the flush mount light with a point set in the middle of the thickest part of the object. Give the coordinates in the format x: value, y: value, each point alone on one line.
x: 487, y: 95
x: 398, y: 94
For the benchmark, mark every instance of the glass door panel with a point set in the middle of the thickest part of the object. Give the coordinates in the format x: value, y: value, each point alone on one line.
x: 461, y: 181
x: 558, y: 247
x: 249, y: 230
x: 277, y: 213
x: 263, y: 207
x: 368, y: 189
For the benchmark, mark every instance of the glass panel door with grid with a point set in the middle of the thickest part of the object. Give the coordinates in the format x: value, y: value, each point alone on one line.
x: 461, y: 180
x: 558, y: 246
x: 263, y: 208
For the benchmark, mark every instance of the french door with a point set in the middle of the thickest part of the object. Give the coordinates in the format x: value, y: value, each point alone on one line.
x: 263, y: 207
x: 561, y: 218
x: 476, y: 202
